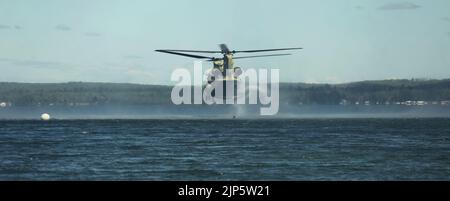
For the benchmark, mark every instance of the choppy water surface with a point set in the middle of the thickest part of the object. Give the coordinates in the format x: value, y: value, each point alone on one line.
x: 259, y: 149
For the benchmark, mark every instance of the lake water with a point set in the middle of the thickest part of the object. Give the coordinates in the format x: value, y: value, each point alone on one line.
x: 226, y: 149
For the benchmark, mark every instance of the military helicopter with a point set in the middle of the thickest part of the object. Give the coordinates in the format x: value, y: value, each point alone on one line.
x: 225, y: 64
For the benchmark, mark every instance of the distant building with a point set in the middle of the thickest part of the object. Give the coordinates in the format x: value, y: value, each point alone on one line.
x: 421, y: 103
x: 343, y: 102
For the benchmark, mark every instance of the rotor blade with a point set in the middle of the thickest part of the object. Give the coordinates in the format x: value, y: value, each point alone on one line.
x: 224, y: 49
x: 197, y: 51
x: 186, y: 55
x: 268, y: 55
x: 267, y: 50
x: 215, y: 59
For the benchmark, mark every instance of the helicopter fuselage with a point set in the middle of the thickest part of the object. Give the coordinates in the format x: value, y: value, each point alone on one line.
x: 224, y: 71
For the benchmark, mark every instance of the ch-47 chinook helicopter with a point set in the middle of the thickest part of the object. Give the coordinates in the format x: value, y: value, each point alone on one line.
x: 225, y: 64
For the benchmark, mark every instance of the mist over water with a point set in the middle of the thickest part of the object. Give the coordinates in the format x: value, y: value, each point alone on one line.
x: 222, y: 111
x: 387, y: 99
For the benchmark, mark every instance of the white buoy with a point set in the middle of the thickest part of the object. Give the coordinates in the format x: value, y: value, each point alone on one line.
x: 45, y: 117
x: 2, y: 104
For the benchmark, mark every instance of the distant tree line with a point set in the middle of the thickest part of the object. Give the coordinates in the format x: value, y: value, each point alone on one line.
x: 80, y: 93
x: 385, y: 91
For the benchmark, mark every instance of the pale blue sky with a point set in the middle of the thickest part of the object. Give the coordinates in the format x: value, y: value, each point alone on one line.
x: 114, y: 41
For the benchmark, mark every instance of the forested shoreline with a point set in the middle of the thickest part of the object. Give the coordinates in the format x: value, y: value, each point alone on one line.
x: 382, y: 92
